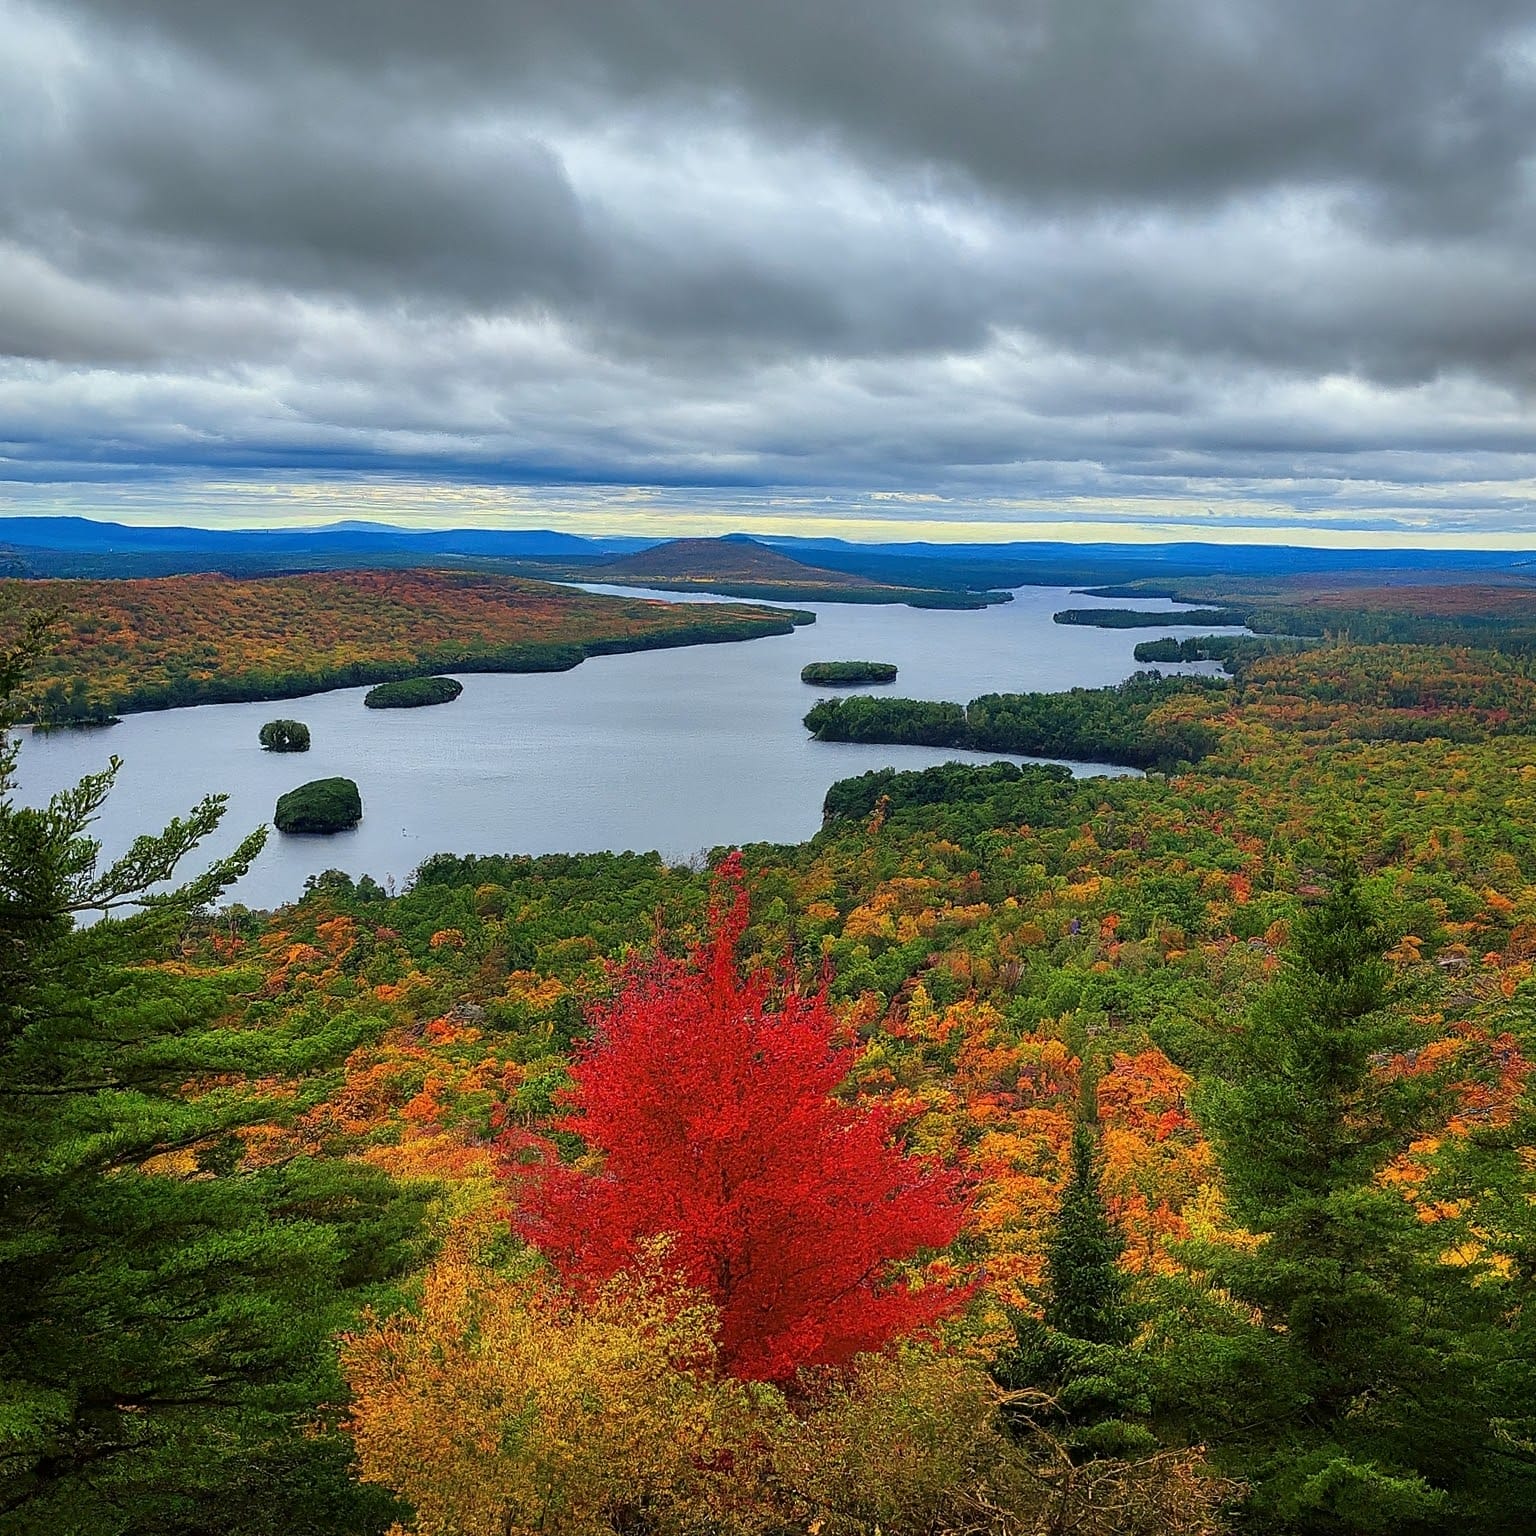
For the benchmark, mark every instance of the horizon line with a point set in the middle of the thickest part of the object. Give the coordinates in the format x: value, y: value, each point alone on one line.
x: 1000, y: 536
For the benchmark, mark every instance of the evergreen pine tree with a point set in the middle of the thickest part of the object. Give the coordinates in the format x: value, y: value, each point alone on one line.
x: 165, y: 1312
x: 1087, y: 1285
x: 1338, y: 1364
x: 1074, y: 1363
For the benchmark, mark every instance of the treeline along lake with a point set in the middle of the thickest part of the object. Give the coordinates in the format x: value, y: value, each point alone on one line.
x: 674, y: 750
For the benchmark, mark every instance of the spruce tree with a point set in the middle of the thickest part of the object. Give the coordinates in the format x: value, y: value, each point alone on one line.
x: 1077, y: 1353
x: 1337, y: 1364
x: 1087, y: 1285
x: 165, y: 1311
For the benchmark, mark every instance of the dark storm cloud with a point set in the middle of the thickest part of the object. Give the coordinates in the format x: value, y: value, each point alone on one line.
x: 1124, y: 98
x: 896, y: 243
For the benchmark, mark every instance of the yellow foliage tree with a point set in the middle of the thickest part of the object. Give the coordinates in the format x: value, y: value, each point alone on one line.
x: 499, y: 1407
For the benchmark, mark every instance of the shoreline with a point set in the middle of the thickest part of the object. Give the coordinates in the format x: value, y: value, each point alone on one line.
x: 522, y: 658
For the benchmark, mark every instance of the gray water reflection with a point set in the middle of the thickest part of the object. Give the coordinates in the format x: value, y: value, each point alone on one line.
x: 670, y: 750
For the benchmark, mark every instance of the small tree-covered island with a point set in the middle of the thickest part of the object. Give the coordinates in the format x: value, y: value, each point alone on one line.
x: 284, y: 736
x: 413, y: 693
x: 838, y: 674
x: 322, y: 805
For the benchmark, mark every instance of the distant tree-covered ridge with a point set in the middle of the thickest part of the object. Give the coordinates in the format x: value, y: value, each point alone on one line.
x: 322, y: 805
x: 160, y: 643
x: 743, y: 567
x: 413, y: 693
x: 1499, y: 617
x: 1142, y: 618
x: 842, y: 673
x: 284, y: 736
x: 1130, y: 724
x: 799, y: 592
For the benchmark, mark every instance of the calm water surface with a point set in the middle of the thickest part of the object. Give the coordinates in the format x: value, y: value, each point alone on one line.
x: 677, y: 751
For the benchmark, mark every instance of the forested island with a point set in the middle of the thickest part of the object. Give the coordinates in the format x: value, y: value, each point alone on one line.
x: 1143, y: 618
x: 413, y: 693
x: 284, y: 736
x: 1195, y: 648
x: 839, y: 674
x: 1149, y: 1156
x: 322, y: 805
x: 128, y: 645
x: 1142, y: 723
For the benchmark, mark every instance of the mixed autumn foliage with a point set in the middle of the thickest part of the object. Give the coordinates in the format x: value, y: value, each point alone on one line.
x: 1499, y: 615
x: 1231, y: 1068
x: 160, y: 642
x: 780, y: 1203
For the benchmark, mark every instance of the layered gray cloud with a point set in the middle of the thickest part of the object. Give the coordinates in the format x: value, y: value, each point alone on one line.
x: 1265, y: 253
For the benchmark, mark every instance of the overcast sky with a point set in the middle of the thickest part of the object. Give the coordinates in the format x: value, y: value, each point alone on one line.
x: 966, y: 268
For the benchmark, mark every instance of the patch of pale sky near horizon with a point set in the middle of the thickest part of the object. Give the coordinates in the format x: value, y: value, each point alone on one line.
x: 1419, y: 517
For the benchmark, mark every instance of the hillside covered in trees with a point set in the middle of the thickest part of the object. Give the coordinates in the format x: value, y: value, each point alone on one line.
x: 1185, y: 1174
x: 743, y: 567
x: 157, y: 644
x: 1365, y: 606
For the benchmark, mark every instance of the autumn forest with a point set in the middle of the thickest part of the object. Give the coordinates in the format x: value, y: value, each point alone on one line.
x: 201, y: 639
x: 1022, y: 1154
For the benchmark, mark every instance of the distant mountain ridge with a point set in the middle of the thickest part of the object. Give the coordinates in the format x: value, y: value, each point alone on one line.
x: 734, y: 559
x: 79, y: 546
x: 738, y: 566
x: 81, y: 533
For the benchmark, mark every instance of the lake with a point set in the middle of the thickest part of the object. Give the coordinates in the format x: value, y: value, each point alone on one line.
x: 677, y: 751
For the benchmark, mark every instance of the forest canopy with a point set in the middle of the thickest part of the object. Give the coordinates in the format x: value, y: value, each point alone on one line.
x: 1217, y: 1087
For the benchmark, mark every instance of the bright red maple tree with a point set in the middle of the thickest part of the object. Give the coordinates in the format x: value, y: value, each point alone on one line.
x: 711, y: 1097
